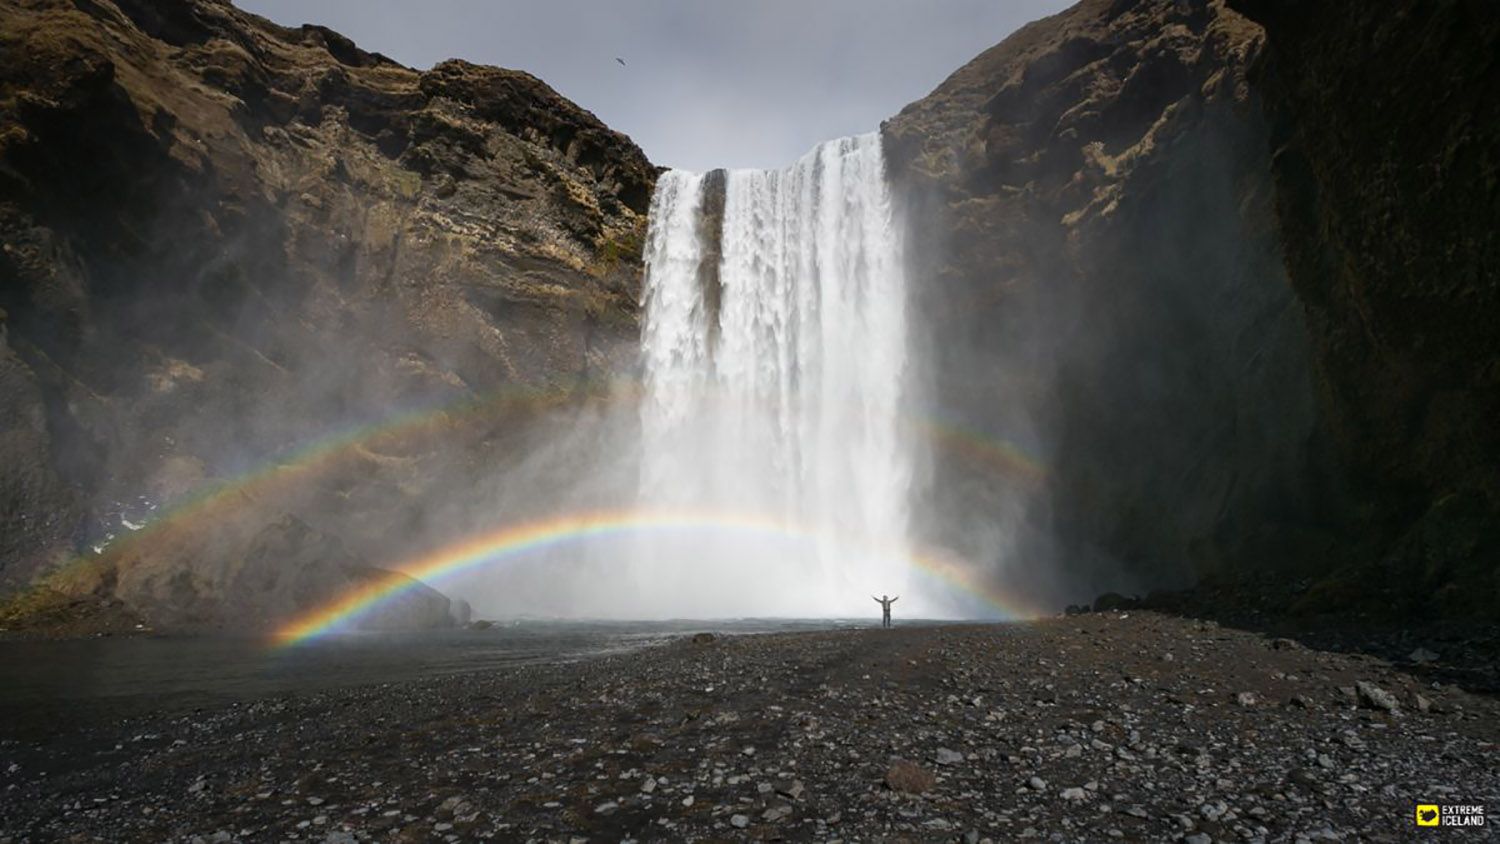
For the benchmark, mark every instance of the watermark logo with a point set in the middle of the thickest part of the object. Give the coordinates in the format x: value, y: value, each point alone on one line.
x: 1434, y: 814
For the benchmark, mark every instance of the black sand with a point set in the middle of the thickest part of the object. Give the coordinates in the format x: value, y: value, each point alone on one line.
x: 1101, y: 727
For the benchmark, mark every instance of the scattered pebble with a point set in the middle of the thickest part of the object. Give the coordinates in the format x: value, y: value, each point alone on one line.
x: 806, y: 736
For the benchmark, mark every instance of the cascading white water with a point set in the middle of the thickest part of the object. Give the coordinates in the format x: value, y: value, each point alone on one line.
x: 782, y: 403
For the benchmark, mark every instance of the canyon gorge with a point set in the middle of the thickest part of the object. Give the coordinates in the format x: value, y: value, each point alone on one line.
x: 1188, y: 300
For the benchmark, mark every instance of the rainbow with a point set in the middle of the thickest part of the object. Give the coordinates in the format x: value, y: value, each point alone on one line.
x: 998, y: 454
x: 211, y: 504
x: 515, y: 541
x: 320, y: 453
x: 206, y: 504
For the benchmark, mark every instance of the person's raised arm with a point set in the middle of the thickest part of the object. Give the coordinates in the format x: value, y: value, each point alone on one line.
x: 895, y: 599
x: 875, y: 599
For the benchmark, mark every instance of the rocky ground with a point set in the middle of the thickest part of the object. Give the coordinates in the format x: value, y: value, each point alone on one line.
x: 1115, y: 725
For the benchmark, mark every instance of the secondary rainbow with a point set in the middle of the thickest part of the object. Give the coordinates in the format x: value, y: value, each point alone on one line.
x: 1001, y: 455
x: 515, y: 541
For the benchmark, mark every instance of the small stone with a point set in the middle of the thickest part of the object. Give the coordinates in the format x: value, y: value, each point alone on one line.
x: 1246, y: 699
x: 1074, y: 794
x: 1375, y: 697
x: 949, y: 757
x: 688, y: 800
x: 739, y: 821
x: 776, y: 813
x: 1303, y: 777
x: 648, y: 785
x: 1037, y: 784
x: 791, y: 789
x: 749, y: 751
x: 909, y: 777
x: 1198, y: 838
x: 1422, y: 703
x: 606, y: 807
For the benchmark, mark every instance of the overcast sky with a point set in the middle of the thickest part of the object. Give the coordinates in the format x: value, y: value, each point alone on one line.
x: 706, y: 83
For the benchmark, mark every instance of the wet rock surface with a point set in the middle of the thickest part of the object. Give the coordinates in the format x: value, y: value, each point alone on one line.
x: 1069, y: 729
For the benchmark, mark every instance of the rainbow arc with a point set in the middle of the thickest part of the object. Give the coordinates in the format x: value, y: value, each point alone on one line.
x: 516, y: 542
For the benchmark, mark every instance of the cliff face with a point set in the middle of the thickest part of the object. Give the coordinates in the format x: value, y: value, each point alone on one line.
x: 1094, y: 237
x: 1386, y: 132
x: 1227, y: 286
x: 221, y: 236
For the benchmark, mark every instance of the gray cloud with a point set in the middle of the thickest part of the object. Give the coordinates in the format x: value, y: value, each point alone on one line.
x: 705, y: 84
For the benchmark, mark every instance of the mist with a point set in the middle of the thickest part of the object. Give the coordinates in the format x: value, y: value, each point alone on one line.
x: 775, y: 443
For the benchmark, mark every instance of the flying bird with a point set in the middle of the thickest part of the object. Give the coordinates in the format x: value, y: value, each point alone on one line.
x: 620, y: 60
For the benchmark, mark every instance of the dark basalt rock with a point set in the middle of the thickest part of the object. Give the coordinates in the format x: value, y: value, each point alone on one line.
x: 1095, y: 254
x: 220, y: 237
x: 1110, y: 601
x: 1386, y: 135
x: 1229, y: 286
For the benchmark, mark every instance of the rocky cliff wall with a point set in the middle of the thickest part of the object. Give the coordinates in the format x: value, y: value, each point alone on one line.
x: 223, y: 239
x: 1225, y: 273
x: 1096, y: 253
x: 1385, y: 131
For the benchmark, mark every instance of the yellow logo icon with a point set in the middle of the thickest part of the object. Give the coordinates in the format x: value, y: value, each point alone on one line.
x: 1427, y: 814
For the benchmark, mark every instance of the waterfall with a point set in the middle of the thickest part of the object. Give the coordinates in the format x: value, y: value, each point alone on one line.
x: 774, y: 354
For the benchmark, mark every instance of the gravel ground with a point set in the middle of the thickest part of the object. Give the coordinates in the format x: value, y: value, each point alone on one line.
x: 1107, y: 726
